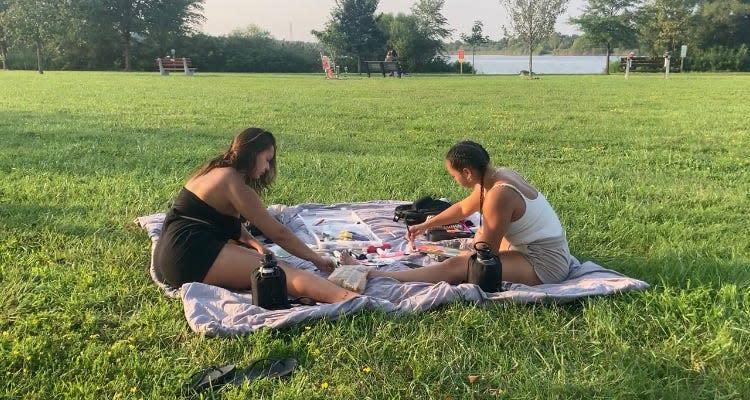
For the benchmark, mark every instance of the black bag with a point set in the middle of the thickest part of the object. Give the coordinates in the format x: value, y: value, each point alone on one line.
x: 417, y: 212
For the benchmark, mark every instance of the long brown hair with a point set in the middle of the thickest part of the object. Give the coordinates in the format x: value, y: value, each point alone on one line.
x: 242, y: 154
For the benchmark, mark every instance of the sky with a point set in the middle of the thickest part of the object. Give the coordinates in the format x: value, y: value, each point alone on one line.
x: 294, y: 19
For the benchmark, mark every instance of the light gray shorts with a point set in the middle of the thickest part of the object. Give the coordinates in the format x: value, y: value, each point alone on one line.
x: 550, y: 258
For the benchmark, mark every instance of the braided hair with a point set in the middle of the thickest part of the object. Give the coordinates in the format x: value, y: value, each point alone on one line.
x: 242, y: 155
x: 471, y: 155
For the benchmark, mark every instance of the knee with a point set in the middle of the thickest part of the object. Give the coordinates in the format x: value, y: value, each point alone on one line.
x: 299, y: 278
x: 460, y: 267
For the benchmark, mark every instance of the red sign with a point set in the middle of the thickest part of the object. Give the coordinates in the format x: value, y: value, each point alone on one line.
x: 460, y: 55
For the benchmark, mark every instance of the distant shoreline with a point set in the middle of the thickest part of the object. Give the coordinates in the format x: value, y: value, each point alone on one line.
x: 467, y: 53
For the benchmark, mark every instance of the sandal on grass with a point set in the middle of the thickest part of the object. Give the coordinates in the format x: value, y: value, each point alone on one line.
x: 265, y: 368
x: 211, y: 377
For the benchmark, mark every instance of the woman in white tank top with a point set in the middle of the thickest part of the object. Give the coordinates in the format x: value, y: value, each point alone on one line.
x: 517, y: 221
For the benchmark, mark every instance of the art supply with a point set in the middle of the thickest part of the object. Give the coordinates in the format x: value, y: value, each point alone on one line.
x: 338, y: 229
x: 447, y: 232
x: 350, y: 277
x: 437, y: 250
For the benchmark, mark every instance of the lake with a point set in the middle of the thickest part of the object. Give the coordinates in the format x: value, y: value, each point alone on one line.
x: 498, y: 64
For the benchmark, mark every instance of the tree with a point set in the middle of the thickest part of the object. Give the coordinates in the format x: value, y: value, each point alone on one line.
x: 403, y: 36
x: 532, y: 21
x: 168, y: 20
x: 333, y: 39
x: 353, y: 30
x: 722, y: 23
x: 664, y: 24
x: 34, y: 22
x: 3, y: 33
x: 251, y: 31
x: 432, y: 29
x: 608, y: 22
x: 125, y: 17
x: 475, y: 39
x: 154, y: 21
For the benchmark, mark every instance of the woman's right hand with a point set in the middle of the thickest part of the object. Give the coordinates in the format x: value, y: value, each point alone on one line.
x: 413, y: 231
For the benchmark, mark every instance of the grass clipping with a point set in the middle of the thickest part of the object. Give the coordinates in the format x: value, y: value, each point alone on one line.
x: 350, y: 277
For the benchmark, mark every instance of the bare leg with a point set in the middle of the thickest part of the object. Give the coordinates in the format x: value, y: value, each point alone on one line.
x: 233, y: 267
x: 306, y: 284
x: 516, y: 268
x: 452, y: 270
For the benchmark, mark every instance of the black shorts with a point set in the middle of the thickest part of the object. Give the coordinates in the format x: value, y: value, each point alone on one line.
x: 186, y: 250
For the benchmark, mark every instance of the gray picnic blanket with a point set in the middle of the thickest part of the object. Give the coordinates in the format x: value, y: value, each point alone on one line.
x: 217, y: 311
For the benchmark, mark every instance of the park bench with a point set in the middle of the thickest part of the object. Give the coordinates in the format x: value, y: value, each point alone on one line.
x: 647, y: 64
x: 383, y: 67
x: 168, y: 64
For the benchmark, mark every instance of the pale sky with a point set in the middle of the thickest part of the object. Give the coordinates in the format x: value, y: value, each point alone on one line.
x: 294, y: 19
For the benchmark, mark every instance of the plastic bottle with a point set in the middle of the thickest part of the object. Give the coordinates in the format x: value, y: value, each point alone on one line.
x: 268, y: 285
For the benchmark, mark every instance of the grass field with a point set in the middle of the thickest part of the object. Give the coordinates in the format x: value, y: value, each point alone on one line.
x: 651, y: 177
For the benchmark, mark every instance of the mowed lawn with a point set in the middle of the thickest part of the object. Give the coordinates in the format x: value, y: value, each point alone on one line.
x: 651, y: 177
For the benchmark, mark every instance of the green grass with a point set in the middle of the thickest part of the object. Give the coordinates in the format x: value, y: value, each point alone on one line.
x: 651, y: 177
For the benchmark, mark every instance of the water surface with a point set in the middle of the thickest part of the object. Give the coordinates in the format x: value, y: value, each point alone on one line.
x: 498, y: 64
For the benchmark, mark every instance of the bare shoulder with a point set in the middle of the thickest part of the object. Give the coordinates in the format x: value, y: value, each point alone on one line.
x: 232, y: 183
x: 511, y: 177
x: 216, y: 178
x: 504, y: 196
x: 225, y: 174
x: 218, y: 187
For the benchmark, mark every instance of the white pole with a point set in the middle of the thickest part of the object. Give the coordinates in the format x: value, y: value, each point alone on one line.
x: 627, y: 68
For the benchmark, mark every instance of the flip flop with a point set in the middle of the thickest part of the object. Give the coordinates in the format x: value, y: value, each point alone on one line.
x: 265, y: 368
x: 211, y: 377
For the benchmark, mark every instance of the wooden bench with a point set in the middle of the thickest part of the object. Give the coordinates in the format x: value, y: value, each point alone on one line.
x: 168, y: 64
x: 647, y: 64
x: 383, y: 67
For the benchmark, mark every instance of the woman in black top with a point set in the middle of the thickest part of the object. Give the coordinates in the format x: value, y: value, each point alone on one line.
x: 202, y: 239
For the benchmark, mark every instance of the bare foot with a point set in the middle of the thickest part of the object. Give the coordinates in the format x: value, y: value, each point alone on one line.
x: 350, y: 295
x: 347, y: 259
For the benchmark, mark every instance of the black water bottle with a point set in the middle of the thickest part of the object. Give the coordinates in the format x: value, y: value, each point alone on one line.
x: 485, y: 268
x: 268, y: 285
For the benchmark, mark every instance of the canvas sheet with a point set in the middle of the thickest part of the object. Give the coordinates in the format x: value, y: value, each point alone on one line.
x: 220, y: 312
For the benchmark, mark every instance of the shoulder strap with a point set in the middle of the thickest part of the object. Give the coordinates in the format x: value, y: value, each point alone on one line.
x: 512, y: 187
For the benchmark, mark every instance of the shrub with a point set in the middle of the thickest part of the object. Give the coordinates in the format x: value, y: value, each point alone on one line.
x: 720, y: 58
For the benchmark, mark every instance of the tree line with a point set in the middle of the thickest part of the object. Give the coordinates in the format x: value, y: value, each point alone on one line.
x: 716, y: 32
x: 355, y: 33
x: 131, y: 34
